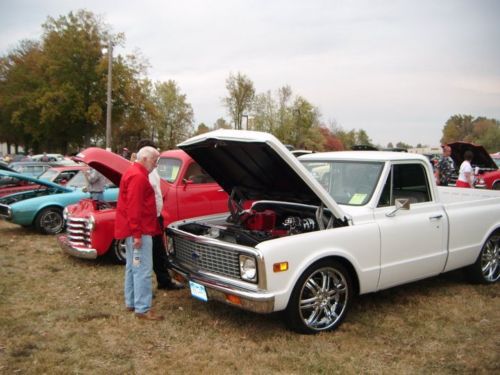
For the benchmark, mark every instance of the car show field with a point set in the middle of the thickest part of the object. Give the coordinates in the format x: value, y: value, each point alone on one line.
x: 60, y: 314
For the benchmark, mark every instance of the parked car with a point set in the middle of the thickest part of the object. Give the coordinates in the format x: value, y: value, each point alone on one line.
x: 488, y: 175
x: 307, y: 250
x: 30, y: 168
x: 61, y: 175
x: 188, y: 191
x: 42, y: 208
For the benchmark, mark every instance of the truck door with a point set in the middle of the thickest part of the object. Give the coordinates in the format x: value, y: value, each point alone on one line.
x: 199, y: 195
x: 413, y: 241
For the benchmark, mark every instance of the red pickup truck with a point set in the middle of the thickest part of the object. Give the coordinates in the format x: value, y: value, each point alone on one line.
x: 187, y: 190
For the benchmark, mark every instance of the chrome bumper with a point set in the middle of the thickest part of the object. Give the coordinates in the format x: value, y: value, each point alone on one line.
x: 256, y: 301
x: 76, y: 251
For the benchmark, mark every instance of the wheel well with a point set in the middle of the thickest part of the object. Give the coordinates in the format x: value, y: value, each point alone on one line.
x: 350, y: 269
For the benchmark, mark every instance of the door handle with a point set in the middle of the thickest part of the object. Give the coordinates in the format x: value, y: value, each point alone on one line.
x: 435, y: 217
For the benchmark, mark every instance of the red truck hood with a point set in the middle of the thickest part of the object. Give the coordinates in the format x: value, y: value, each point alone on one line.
x: 109, y: 164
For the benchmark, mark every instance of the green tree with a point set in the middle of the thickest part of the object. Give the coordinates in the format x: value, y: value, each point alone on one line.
x: 175, y: 115
x: 72, y: 101
x: 20, y: 83
x: 240, y: 97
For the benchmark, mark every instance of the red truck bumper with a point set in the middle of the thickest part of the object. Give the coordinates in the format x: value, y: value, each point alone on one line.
x: 74, y: 250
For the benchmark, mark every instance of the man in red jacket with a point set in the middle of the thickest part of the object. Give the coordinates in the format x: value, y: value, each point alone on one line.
x: 136, y: 222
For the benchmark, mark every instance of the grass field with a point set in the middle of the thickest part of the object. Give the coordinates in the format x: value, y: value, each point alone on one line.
x: 61, y: 315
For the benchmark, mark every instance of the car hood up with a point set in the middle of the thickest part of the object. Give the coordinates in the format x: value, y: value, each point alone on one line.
x: 481, y: 157
x: 259, y: 167
x: 35, y: 180
x: 109, y: 164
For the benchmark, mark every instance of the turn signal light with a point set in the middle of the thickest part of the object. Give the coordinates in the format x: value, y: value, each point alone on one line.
x: 280, y: 267
x: 233, y: 299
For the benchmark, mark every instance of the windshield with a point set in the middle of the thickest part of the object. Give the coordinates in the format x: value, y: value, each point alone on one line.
x: 168, y: 168
x: 77, y: 181
x: 497, y: 161
x: 49, y: 175
x: 348, y: 182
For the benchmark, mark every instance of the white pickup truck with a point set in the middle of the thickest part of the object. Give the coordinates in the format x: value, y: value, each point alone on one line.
x: 306, y: 235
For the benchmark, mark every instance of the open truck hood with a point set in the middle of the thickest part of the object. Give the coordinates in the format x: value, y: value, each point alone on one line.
x: 258, y: 167
x: 480, y: 159
x: 109, y: 164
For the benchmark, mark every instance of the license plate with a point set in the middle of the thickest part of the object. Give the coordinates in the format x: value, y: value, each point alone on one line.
x: 198, y: 291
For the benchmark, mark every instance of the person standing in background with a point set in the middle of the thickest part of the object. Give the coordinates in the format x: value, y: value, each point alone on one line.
x: 466, y: 173
x: 445, y: 167
x: 136, y: 222
x: 96, y: 183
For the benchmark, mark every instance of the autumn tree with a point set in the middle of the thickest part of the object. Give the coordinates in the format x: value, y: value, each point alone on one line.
x: 175, y: 117
x: 240, y: 97
x: 479, y: 130
x: 221, y: 124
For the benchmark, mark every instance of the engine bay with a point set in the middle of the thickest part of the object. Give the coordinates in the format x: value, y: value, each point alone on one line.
x: 265, y: 220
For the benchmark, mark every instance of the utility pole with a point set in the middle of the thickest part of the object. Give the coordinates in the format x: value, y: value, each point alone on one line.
x: 109, y: 104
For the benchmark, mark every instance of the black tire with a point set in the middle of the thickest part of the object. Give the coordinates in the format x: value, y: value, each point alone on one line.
x: 486, y: 270
x: 117, y: 251
x: 320, y: 299
x: 496, y: 185
x: 49, y: 221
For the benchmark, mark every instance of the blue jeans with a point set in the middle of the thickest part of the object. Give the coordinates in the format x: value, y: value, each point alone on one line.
x: 138, y: 281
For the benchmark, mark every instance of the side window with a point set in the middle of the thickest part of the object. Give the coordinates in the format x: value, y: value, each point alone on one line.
x: 406, y: 181
x: 196, y: 174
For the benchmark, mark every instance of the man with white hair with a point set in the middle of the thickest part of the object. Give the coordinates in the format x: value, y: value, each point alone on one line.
x: 136, y: 222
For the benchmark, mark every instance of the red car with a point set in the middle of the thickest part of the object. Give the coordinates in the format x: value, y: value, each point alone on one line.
x: 57, y: 175
x: 188, y: 192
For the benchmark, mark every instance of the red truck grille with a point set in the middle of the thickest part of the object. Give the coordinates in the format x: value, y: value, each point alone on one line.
x: 78, y: 232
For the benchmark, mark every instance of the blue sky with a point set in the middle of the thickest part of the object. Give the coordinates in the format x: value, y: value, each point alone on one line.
x: 398, y: 69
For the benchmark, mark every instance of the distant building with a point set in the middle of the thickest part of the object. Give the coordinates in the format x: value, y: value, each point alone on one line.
x: 426, y: 150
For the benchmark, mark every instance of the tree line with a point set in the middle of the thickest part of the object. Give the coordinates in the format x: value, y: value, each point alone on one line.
x: 53, y: 97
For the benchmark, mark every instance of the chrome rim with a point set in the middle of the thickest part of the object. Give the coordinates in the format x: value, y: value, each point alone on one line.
x: 121, y: 250
x: 323, y: 299
x: 52, y: 222
x: 490, y: 259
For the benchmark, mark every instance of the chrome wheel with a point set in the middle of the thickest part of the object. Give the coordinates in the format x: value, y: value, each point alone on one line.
x: 320, y: 299
x: 323, y: 299
x: 490, y: 259
x: 119, y: 251
x: 50, y: 221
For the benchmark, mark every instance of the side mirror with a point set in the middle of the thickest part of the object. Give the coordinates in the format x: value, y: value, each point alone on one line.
x: 401, y: 204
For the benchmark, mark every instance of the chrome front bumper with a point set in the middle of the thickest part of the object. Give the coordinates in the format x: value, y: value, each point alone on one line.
x: 76, y: 251
x: 256, y: 301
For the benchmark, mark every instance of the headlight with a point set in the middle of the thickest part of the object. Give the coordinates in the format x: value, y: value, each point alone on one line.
x: 248, y: 268
x: 91, y: 223
x: 65, y: 214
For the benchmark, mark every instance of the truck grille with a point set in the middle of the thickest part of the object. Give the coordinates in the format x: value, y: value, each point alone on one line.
x: 78, y: 234
x: 207, y: 258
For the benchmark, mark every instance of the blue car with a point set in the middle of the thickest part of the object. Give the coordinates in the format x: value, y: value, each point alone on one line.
x: 43, y: 207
